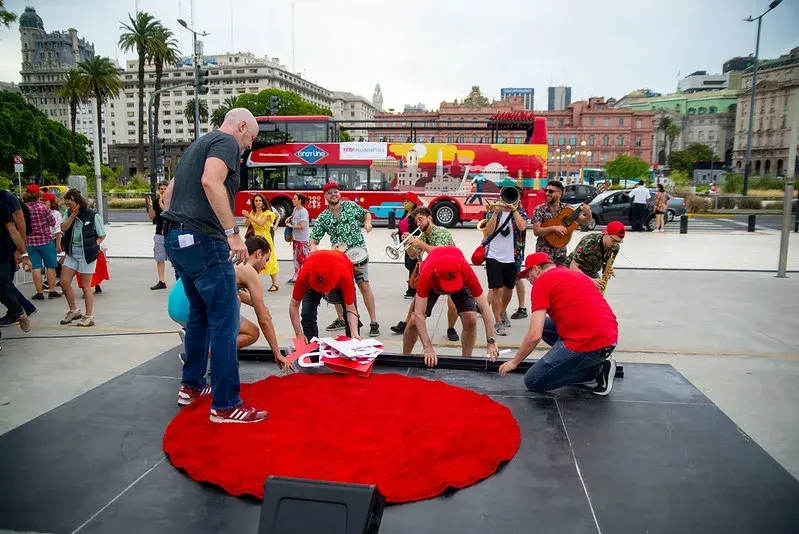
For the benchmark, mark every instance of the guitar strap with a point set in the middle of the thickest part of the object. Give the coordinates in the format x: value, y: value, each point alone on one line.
x: 498, y: 230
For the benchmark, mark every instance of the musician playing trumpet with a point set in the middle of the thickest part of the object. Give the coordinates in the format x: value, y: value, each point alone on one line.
x: 595, y: 250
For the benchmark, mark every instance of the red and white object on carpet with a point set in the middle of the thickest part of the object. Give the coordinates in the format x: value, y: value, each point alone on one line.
x: 342, y: 354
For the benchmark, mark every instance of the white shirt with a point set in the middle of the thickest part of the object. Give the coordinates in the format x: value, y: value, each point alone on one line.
x: 501, y: 247
x: 57, y: 225
x: 640, y: 195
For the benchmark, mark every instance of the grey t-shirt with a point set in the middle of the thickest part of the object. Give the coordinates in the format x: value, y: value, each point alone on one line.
x: 189, y: 205
x: 304, y: 235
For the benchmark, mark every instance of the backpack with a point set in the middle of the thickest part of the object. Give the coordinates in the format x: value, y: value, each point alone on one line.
x: 27, y: 213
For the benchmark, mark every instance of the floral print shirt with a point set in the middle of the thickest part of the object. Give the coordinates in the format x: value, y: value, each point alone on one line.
x: 543, y: 213
x: 439, y: 237
x: 344, y: 229
x: 590, y: 254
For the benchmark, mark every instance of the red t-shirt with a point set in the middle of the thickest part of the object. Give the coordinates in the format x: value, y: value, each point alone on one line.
x: 428, y: 281
x: 330, y: 263
x: 582, y: 316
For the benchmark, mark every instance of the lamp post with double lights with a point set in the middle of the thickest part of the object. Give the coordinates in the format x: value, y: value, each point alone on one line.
x: 197, y: 84
x: 748, y: 159
x: 583, y: 155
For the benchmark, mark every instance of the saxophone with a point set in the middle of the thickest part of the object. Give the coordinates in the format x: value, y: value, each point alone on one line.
x: 608, y: 272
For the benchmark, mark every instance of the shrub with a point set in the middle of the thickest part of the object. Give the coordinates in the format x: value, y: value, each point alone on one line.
x: 748, y: 203
x: 726, y: 203
x: 126, y: 203
x: 766, y: 182
x: 695, y: 204
x: 733, y: 183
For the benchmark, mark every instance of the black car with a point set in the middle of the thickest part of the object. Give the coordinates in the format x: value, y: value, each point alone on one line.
x: 577, y: 193
x: 615, y: 206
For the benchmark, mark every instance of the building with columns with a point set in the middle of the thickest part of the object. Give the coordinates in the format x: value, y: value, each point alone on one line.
x: 777, y: 84
x: 347, y: 106
x: 46, y: 58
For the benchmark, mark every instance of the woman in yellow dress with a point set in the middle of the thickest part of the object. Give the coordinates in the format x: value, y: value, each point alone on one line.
x: 263, y: 220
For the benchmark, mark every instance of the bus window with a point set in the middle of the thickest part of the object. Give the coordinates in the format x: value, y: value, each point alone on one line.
x: 379, y: 180
x: 270, y: 134
x: 349, y: 178
x: 301, y: 177
x: 267, y: 178
x: 306, y: 132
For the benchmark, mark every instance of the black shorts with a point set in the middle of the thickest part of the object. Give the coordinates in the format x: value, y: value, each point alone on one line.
x: 660, y: 213
x: 500, y: 274
x: 463, y: 300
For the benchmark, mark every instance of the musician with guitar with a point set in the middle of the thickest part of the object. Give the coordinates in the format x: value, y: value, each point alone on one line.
x: 554, y: 223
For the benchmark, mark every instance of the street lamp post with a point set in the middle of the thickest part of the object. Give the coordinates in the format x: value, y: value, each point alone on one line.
x: 584, y: 155
x: 196, y: 61
x: 748, y: 158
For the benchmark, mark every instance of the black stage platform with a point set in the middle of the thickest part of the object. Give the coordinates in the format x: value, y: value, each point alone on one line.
x: 655, y: 456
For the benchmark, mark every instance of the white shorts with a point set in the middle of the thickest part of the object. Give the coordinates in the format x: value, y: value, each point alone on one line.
x: 77, y: 262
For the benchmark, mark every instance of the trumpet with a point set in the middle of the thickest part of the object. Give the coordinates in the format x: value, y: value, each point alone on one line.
x: 394, y: 252
x: 508, y: 197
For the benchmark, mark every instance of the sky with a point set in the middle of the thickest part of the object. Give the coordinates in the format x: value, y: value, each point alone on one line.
x: 431, y: 51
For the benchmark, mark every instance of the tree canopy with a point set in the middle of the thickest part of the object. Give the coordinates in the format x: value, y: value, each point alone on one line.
x: 288, y: 104
x: 684, y: 160
x: 626, y: 167
x: 23, y: 127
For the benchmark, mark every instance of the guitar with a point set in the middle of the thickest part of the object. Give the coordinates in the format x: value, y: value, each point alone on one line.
x: 568, y: 219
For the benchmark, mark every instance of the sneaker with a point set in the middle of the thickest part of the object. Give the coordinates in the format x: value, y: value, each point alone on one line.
x: 521, y: 313
x: 411, y: 293
x: 187, y: 395
x: 38, y: 296
x: 182, y: 358
x: 452, y: 334
x: 7, y: 320
x: 243, y: 413
x: 54, y: 295
x: 504, y: 318
x: 338, y: 324
x: 182, y: 335
x: 605, y: 379
x: 88, y: 320
x: 374, y: 329
x: 25, y: 322
x: 71, y: 315
x: 499, y: 329
x: 98, y: 289
x: 399, y: 328
x: 159, y: 285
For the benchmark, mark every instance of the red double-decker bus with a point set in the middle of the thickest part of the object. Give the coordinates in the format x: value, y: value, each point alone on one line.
x: 454, y: 179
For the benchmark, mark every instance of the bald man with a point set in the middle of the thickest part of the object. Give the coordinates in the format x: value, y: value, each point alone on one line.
x: 203, y: 242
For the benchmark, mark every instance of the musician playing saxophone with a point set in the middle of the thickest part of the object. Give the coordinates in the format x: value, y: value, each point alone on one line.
x: 552, y: 208
x: 595, y: 250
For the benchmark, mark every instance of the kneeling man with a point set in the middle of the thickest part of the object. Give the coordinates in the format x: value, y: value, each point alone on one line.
x: 327, y: 274
x: 446, y: 272
x: 580, y: 328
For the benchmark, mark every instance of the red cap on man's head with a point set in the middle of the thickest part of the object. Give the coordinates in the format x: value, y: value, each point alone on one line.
x: 532, y: 260
x: 48, y: 196
x: 323, y: 278
x: 330, y: 185
x: 615, y: 228
x: 33, y: 188
x: 448, y: 273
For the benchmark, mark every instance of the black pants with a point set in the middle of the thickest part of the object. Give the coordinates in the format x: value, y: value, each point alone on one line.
x: 637, y: 215
x: 310, y: 309
x: 410, y: 264
x: 10, y: 296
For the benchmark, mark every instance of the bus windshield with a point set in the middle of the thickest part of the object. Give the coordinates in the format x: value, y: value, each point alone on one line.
x: 276, y: 132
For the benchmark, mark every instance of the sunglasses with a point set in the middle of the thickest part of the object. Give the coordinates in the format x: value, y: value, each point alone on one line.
x: 551, y: 191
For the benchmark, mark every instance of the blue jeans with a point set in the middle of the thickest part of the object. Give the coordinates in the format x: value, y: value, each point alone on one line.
x: 561, y: 366
x: 209, y: 281
x: 310, y: 309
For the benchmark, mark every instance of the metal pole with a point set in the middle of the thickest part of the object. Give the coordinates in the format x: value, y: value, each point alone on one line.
x: 196, y: 90
x: 748, y: 160
x: 97, y: 171
x: 150, y: 143
x: 788, y: 199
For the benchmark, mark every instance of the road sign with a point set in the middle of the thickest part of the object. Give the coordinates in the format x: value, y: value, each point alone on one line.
x: 17, y: 160
x: 19, y: 167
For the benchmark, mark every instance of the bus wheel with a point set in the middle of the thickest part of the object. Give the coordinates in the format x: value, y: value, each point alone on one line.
x: 284, y: 209
x: 445, y: 213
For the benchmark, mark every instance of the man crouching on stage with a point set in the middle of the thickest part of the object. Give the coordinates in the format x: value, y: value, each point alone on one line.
x: 446, y: 272
x: 327, y: 274
x: 581, y: 330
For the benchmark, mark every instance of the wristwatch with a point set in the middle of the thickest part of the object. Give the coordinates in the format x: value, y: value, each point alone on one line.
x: 231, y: 231
x: 491, y: 341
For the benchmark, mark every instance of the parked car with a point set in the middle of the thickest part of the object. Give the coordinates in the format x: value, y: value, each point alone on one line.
x: 675, y: 206
x: 615, y: 206
x: 577, y: 193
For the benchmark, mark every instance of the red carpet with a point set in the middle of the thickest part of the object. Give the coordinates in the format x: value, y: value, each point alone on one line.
x: 412, y: 437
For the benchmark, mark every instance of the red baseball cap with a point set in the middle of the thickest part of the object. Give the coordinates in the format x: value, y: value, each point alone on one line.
x: 48, y: 196
x: 615, y: 228
x: 447, y: 270
x: 324, y: 278
x: 532, y: 260
x: 33, y: 188
x: 330, y: 185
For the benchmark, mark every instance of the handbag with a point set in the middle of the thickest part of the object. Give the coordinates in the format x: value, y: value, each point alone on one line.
x: 479, y: 254
x: 413, y: 281
x: 288, y: 233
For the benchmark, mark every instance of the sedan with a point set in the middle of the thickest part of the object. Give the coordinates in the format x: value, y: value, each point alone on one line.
x: 675, y: 206
x: 615, y: 206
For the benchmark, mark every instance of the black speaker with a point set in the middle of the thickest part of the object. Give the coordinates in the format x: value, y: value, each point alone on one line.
x: 301, y: 506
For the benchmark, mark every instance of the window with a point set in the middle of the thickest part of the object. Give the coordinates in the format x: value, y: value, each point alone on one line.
x: 713, y: 109
x: 561, y: 140
x: 591, y: 121
x: 306, y: 132
x: 605, y: 139
x: 620, y: 140
x: 591, y: 140
x: 621, y: 121
x: 350, y: 178
x: 573, y: 140
x: 639, y: 123
x: 637, y: 140
x: 305, y: 177
x: 560, y: 123
x: 550, y: 139
x: 711, y: 135
x: 606, y: 122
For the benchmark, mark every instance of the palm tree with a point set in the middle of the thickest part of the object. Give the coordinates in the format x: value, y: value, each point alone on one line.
x: 74, y: 93
x: 670, y: 129
x: 139, y: 35
x: 6, y: 17
x: 188, y: 111
x: 218, y: 116
x: 164, y: 51
x: 99, y: 78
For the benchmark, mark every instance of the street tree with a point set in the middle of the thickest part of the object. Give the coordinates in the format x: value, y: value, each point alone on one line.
x: 74, y: 94
x: 626, y: 167
x: 188, y: 111
x: 163, y: 52
x: 685, y: 160
x: 99, y: 77
x: 6, y: 17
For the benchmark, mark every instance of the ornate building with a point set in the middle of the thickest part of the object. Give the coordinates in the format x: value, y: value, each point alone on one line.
x: 46, y: 57
x: 377, y: 98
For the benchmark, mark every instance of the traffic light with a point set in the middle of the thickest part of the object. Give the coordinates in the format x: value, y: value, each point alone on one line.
x: 201, y: 81
x: 274, y: 100
x: 163, y: 149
